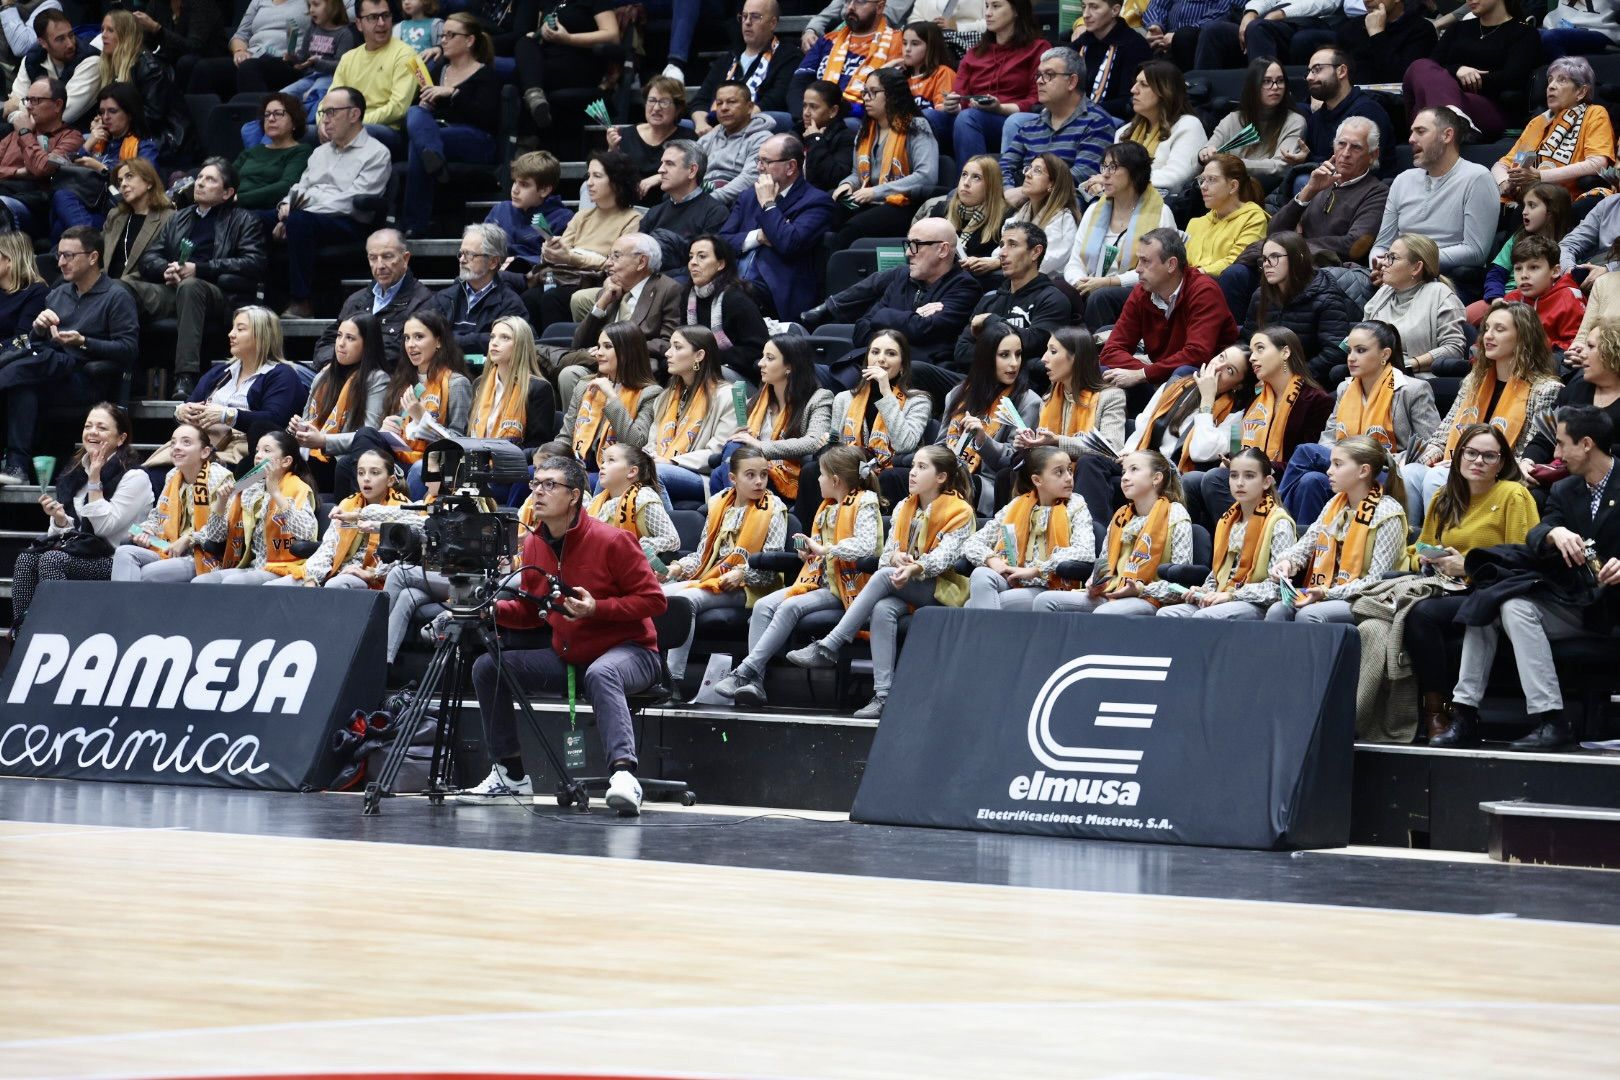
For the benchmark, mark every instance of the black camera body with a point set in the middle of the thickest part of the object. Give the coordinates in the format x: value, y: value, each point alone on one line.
x: 464, y: 534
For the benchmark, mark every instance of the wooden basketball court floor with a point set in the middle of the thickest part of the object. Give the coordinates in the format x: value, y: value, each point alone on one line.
x: 183, y: 932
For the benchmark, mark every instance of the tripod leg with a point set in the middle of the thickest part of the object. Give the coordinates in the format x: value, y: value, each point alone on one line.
x: 576, y: 790
x: 408, y: 723
x: 444, y: 742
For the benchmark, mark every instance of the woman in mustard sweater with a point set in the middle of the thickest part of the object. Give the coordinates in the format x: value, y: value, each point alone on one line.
x: 1484, y: 503
x: 1237, y: 215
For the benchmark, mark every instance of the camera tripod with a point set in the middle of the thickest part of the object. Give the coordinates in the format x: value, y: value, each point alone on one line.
x: 468, y: 609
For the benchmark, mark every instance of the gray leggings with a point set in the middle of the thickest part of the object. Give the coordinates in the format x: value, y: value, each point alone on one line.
x: 1323, y: 611
x: 881, y: 605
x: 408, y: 588
x: 1231, y: 611
x: 338, y: 581
x: 989, y: 591
x: 1080, y: 600
x: 773, y: 622
x: 702, y: 600
x: 234, y: 577
x: 131, y: 563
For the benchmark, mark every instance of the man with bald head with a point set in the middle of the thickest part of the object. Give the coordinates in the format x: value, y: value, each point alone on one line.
x: 393, y: 296
x: 929, y: 299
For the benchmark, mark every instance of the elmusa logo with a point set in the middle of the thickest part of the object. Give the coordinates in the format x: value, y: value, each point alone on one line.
x: 1062, y: 758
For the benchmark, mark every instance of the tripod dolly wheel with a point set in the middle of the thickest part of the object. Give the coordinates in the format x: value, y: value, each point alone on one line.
x: 564, y: 797
x: 688, y: 798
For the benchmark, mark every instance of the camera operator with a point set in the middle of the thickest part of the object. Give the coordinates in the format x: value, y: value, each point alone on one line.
x: 602, y: 624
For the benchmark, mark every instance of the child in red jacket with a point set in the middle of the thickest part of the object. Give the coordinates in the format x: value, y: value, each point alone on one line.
x: 1557, y: 300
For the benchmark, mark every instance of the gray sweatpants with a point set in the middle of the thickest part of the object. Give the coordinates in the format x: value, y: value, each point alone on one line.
x: 131, y: 563
x: 408, y: 588
x: 1231, y: 611
x: 702, y: 600
x: 234, y: 577
x: 772, y: 623
x: 881, y: 605
x: 1531, y: 625
x: 989, y: 591
x: 623, y: 669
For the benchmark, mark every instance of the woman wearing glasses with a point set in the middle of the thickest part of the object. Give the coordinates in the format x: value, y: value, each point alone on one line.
x: 1102, y: 264
x: 1268, y: 106
x: 643, y: 143
x: 1295, y: 294
x: 269, y: 170
x: 454, y: 120
x: 1237, y: 215
x: 896, y: 163
x: 117, y: 134
x: 1422, y: 307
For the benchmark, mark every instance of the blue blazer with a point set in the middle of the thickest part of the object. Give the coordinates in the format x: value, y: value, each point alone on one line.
x: 795, y: 227
x: 271, y: 401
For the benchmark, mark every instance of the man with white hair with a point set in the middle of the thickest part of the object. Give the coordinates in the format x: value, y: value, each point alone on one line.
x: 1338, y: 210
x: 634, y: 292
x: 478, y: 296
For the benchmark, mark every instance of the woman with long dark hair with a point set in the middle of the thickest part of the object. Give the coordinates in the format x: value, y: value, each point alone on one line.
x: 1268, y: 105
x: 896, y: 162
x: 1297, y: 294
x: 350, y: 393
x: 976, y: 427
x: 884, y: 416
x: 996, y: 77
x: 1081, y: 401
x: 1164, y: 125
x: 718, y: 298
x: 254, y: 525
x: 578, y: 258
x: 454, y: 120
x: 788, y: 420
x: 689, y: 423
x: 603, y: 410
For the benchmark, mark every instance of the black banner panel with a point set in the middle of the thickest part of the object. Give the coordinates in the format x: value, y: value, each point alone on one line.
x: 1177, y: 731
x: 219, y: 686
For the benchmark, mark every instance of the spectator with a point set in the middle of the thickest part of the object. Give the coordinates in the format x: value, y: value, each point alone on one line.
x: 1102, y: 266
x: 1267, y: 105
x: 33, y: 154
x: 1443, y: 197
x: 1068, y: 126
x: 928, y: 300
x: 1475, y: 62
x: 208, y: 259
x: 692, y: 420
x: 383, y: 74
x: 1597, y: 232
x: 833, y: 14
x: 976, y: 212
x: 1164, y: 125
x: 1175, y: 31
x: 268, y: 515
x: 1337, y: 99
x: 1387, y: 40
x: 685, y: 211
x: 896, y: 161
x: 717, y: 298
x: 22, y: 291
x: 972, y: 426
x: 1176, y: 315
x: 81, y: 196
x: 86, y: 318
x: 513, y: 399
x: 828, y: 141
x: 1571, y: 29
x: 926, y: 60
x: 269, y: 170
x: 627, y: 497
x: 176, y: 521
x: 996, y: 78
x: 134, y: 223
x: 1112, y: 51
x: 535, y: 176
x: 1532, y: 622
x: 1557, y: 301
x: 1080, y: 402
x: 1049, y: 201
x: 455, y: 121
x: 603, y: 410
x: 733, y: 143
x: 779, y: 226
x: 430, y: 391
x: 256, y: 393
x: 349, y: 393
x: 180, y: 35
x: 1285, y: 31
x: 1298, y: 295
x: 331, y: 35
x: 764, y: 65
x: 1422, y: 307
x: 883, y: 417
x: 864, y: 42
x: 644, y: 143
x: 59, y: 55
x: 560, y: 51
x: 478, y: 297
x: 1595, y: 356
x: 321, y: 206
x: 259, y: 48
x: 1572, y: 140
x: 1548, y: 213
x: 155, y: 108
x: 1235, y: 220
x: 1027, y: 302
x: 788, y: 421
x: 1337, y: 212
x: 578, y: 257
x: 421, y: 29
x: 634, y: 293
x: 393, y: 296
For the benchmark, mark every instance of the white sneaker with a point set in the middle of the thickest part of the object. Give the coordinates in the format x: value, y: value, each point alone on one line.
x: 495, y: 787
x: 624, y: 793
x: 11, y: 478
x: 673, y: 71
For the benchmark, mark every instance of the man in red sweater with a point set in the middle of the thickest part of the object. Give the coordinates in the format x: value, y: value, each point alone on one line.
x: 1177, y: 316
x: 602, y: 626
x: 1557, y: 300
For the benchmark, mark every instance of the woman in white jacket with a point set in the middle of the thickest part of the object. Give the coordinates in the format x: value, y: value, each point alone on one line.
x: 1164, y: 125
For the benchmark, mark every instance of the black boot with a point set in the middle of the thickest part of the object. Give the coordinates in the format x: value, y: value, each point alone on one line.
x: 1462, y: 731
x: 1550, y: 733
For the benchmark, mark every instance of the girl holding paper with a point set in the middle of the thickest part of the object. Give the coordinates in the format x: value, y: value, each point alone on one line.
x: 1081, y: 402
x: 512, y: 400
x: 1044, y: 525
x: 1151, y: 529
x: 983, y: 414
x: 743, y: 521
x: 164, y: 546
x: 691, y: 421
x: 254, y: 523
x: 1249, y: 540
x: 847, y: 527
x: 627, y: 498
x: 431, y: 393
x: 916, y: 569
x: 347, y: 557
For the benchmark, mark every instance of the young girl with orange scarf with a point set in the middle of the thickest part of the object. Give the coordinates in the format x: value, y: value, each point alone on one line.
x: 689, y: 422
x: 975, y: 428
x: 1045, y: 524
x: 744, y: 521
x: 164, y: 546
x: 1359, y: 537
x: 258, y: 522
x: 788, y: 420
x: 847, y: 527
x: 926, y: 536
x: 1250, y: 538
x: 347, y: 557
x: 627, y: 498
x: 1151, y: 529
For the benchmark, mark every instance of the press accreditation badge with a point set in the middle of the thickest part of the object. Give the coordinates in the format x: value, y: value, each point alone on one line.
x: 574, y: 750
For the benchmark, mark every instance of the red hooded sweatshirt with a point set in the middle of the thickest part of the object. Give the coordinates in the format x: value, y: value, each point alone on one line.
x: 1560, y: 309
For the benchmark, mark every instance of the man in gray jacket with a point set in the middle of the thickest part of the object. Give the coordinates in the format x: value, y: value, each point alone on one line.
x: 733, y: 143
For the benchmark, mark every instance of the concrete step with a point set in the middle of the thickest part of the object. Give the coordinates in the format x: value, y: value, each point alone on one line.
x: 1553, y: 834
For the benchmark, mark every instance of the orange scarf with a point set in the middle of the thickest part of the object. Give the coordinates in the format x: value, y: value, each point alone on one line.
x: 1335, y: 562
x: 1168, y: 400
x: 1019, y: 513
x: 623, y: 517
x: 506, y: 419
x: 892, y: 160
x: 750, y: 538
x: 1082, y: 415
x: 171, y: 506
x: 338, y: 414
x: 1265, y: 423
x: 1239, y: 568
x: 875, y: 440
x: 1374, y: 416
x: 1151, y: 548
x: 591, y: 423
x: 835, y: 523
x: 784, y: 472
x: 970, y: 454
x: 945, y: 514
x: 528, y: 521
x: 348, y: 539
x: 878, y: 46
x: 278, y: 557
x: 435, y: 396
x: 1510, y: 414
x: 676, y: 437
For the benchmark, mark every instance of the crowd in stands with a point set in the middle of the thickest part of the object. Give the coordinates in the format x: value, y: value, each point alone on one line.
x: 1336, y: 343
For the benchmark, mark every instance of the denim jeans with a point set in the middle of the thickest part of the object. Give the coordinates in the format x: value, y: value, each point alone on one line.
x: 452, y: 142
x: 976, y: 132
x: 682, y: 485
